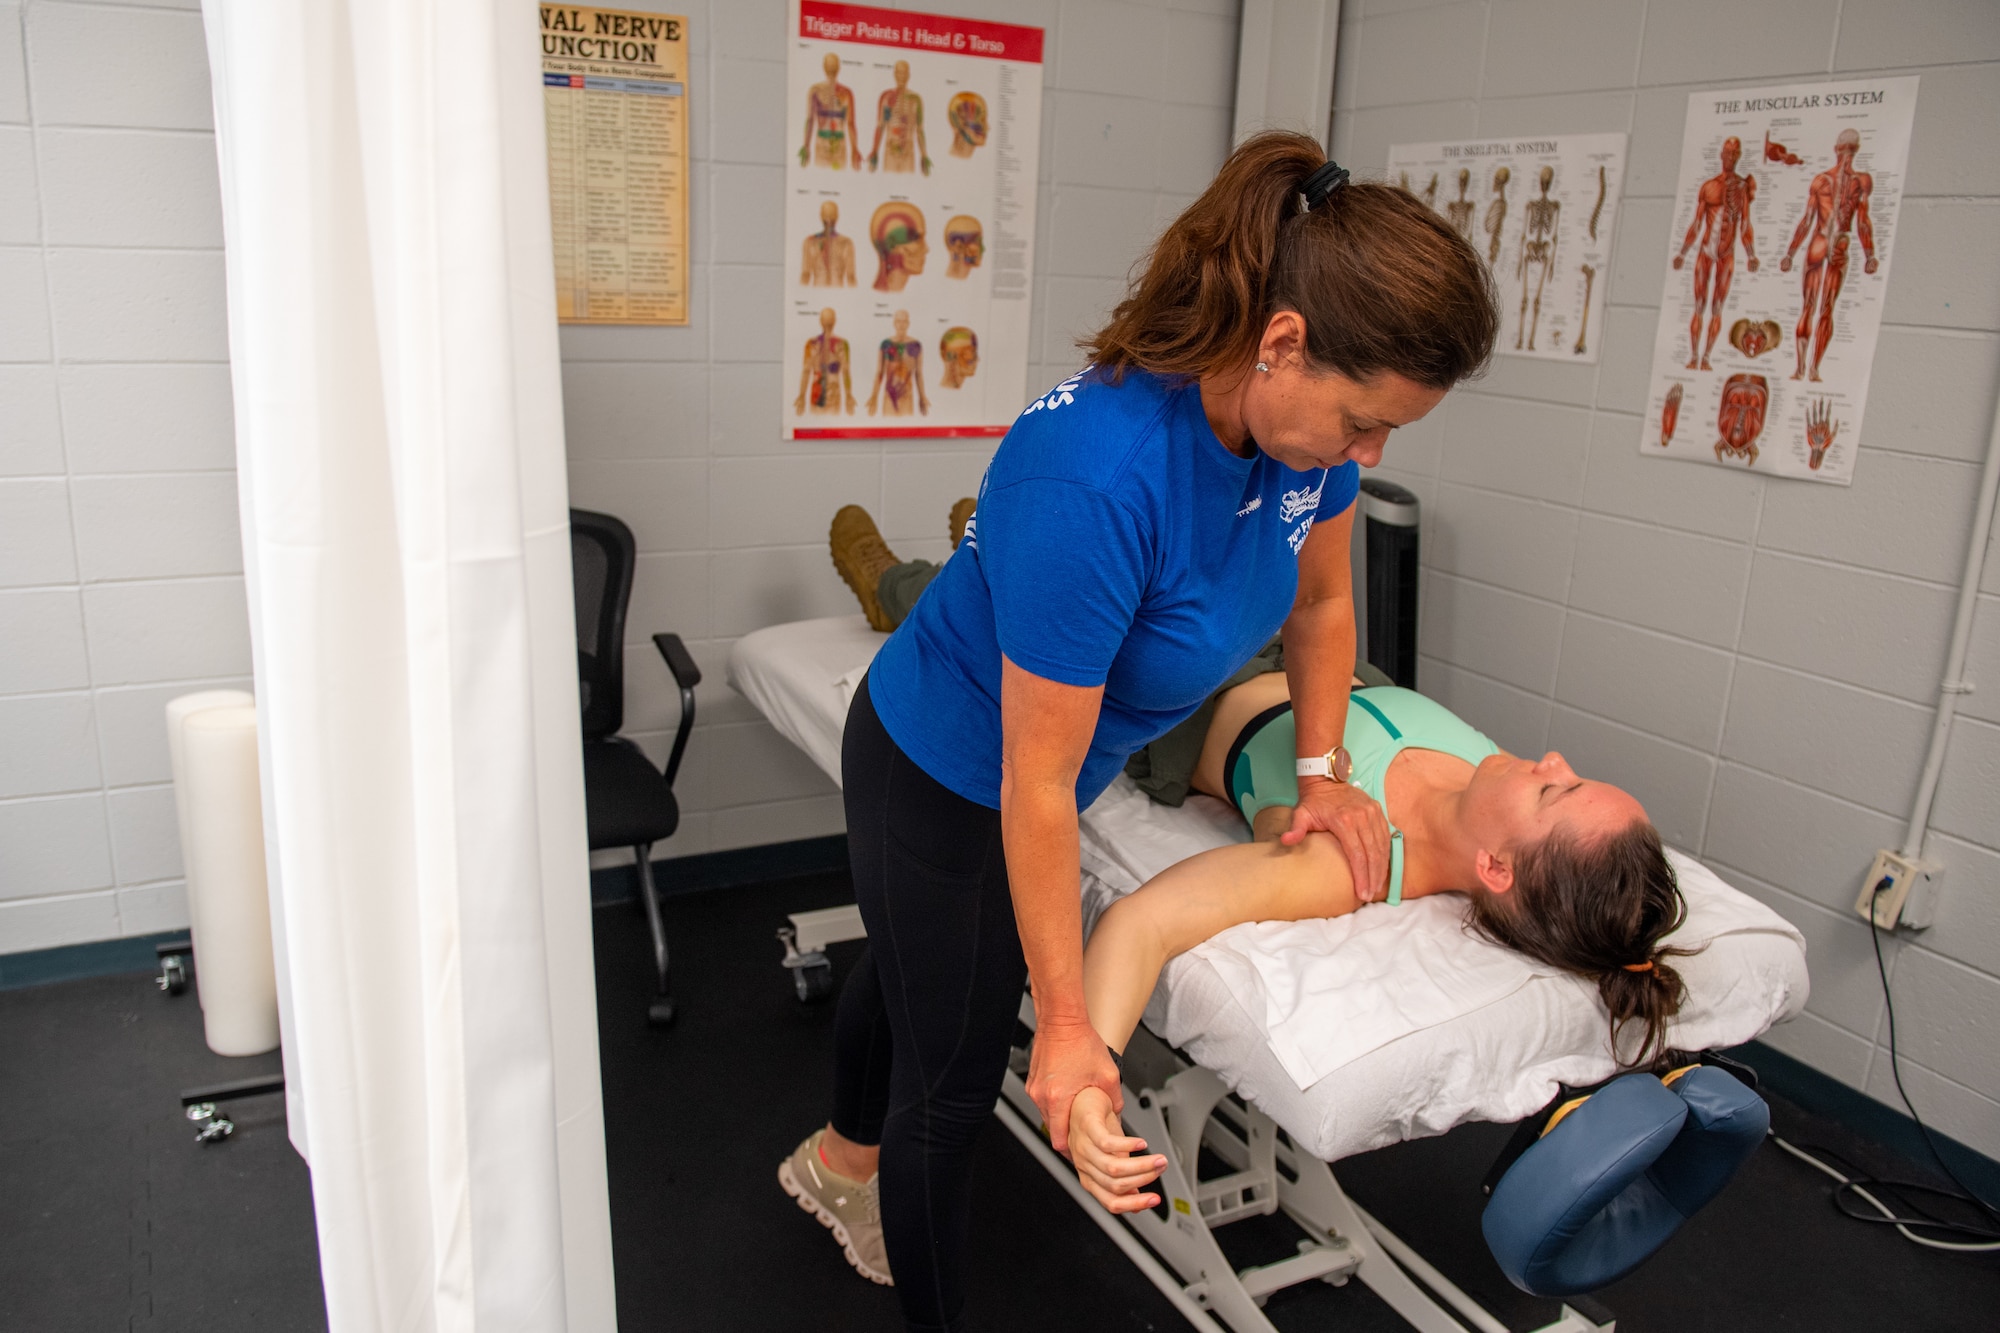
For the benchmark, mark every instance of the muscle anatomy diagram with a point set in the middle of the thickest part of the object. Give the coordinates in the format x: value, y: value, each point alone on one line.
x: 827, y: 258
x: 921, y: 151
x: 1831, y: 162
x: 825, y: 376
x: 959, y: 350
x: 1721, y: 218
x: 899, y: 373
x: 1836, y: 204
x: 899, y: 117
x: 830, y: 122
x: 1543, y: 223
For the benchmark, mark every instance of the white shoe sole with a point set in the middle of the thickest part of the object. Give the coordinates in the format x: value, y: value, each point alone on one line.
x: 804, y: 1198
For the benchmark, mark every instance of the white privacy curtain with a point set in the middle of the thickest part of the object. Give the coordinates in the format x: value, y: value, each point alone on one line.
x: 405, y: 523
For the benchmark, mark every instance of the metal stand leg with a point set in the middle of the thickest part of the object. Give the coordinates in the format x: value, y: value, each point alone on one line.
x: 661, y: 1011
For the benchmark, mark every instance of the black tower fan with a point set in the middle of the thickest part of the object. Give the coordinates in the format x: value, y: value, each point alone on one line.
x: 1390, y: 514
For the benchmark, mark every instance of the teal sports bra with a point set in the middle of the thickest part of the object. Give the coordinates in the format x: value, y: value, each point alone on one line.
x: 1382, y: 722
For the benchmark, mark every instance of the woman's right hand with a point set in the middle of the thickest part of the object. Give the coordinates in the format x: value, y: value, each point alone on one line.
x: 1066, y: 1059
x: 1102, y: 1153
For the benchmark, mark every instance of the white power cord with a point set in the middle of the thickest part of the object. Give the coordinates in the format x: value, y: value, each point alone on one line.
x: 1901, y: 1224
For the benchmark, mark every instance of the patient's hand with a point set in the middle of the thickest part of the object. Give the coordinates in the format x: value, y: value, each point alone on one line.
x: 1102, y: 1152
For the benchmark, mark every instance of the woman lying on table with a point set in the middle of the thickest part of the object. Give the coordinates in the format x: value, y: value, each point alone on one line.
x: 1565, y: 870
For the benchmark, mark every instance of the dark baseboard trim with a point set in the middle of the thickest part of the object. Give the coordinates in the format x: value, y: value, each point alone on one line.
x: 723, y: 870
x: 1872, y: 1120
x: 70, y: 962
x: 682, y: 874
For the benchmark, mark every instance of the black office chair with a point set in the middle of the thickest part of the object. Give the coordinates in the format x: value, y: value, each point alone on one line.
x: 629, y: 803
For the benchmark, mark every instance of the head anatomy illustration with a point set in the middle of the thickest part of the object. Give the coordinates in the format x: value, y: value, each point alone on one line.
x: 965, y: 242
x: 897, y: 232
x: 1745, y: 399
x: 959, y: 349
x: 966, y: 113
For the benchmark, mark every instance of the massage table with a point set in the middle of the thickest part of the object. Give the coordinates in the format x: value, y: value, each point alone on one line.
x: 1282, y: 1047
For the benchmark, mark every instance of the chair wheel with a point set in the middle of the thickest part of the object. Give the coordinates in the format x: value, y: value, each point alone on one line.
x: 661, y: 1012
x: 173, y: 977
x: 814, y: 982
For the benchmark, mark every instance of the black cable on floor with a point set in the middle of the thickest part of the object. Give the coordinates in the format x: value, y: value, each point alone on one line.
x: 1984, y: 1238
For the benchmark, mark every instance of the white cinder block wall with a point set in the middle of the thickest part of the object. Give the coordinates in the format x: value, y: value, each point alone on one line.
x: 677, y: 431
x: 1756, y: 659
x: 120, y: 563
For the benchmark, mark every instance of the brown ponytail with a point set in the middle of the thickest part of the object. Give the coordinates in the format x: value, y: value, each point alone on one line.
x: 1599, y: 911
x: 1382, y: 282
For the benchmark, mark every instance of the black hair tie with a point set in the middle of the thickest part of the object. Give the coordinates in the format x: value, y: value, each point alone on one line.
x: 1319, y: 186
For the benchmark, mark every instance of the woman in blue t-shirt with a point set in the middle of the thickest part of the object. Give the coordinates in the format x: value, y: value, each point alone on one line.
x: 1145, y: 527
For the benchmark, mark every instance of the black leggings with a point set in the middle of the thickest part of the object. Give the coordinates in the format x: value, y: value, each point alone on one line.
x: 926, y: 1016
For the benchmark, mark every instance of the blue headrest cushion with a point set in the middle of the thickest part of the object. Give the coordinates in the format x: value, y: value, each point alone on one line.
x: 1613, y: 1181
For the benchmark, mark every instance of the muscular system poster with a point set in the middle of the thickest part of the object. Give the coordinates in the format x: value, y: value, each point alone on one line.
x: 1776, y: 267
x: 1541, y: 210
x: 910, y: 163
x: 614, y: 96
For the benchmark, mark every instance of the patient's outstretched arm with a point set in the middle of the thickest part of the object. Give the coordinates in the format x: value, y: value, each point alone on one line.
x: 1170, y: 914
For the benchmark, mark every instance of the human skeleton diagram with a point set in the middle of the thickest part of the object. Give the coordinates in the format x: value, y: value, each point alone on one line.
x: 1721, y: 214
x: 1496, y: 213
x: 899, y: 115
x: 1430, y: 194
x: 825, y: 376
x: 965, y: 242
x: 959, y: 350
x: 966, y: 113
x: 1461, y: 209
x: 830, y: 122
x: 1836, y: 203
x: 1538, y: 249
x: 899, y: 367
x: 827, y: 259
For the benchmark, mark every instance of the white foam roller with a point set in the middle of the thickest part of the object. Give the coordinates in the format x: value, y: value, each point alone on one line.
x: 178, y: 711
x: 221, y: 814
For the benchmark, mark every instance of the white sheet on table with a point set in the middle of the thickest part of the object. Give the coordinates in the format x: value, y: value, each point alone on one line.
x: 802, y: 677
x: 1330, y: 990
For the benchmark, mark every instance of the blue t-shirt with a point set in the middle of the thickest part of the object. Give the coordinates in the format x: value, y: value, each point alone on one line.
x: 1117, y: 543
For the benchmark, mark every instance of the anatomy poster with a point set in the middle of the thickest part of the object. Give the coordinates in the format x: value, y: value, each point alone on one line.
x: 1541, y: 211
x: 614, y: 95
x: 912, y: 143
x: 1783, y: 231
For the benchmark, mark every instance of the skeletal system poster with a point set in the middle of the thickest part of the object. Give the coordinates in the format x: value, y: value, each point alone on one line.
x: 909, y: 222
x: 1784, y: 228
x: 1541, y: 210
x: 614, y: 96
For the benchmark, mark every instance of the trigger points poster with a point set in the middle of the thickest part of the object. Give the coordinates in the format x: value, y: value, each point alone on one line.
x: 910, y: 167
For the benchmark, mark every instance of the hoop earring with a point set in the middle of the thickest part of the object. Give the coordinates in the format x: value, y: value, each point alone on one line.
x: 1261, y: 366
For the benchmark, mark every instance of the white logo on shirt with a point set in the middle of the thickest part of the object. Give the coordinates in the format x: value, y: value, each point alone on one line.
x: 1060, y: 396
x: 1251, y: 508
x: 1298, y: 537
x: 1301, y: 501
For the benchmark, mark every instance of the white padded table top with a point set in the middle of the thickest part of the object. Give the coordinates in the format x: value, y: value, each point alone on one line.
x: 1416, y: 1053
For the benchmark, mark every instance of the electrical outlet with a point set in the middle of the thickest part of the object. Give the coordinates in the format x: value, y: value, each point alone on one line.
x: 1909, y: 900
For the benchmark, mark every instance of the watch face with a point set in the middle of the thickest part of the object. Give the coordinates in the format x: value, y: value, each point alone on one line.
x: 1343, y: 763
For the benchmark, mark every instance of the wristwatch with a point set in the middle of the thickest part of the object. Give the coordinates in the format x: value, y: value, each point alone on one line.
x: 1335, y: 763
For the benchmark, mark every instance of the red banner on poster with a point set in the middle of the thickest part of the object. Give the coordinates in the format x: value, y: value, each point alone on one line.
x: 919, y: 32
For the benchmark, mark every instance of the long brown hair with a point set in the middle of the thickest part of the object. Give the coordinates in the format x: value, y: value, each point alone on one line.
x: 1600, y: 910
x: 1382, y: 282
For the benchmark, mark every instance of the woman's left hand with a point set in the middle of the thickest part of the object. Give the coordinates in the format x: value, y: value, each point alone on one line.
x: 1357, y: 824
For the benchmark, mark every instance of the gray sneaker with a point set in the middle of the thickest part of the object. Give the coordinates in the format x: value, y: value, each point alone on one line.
x: 850, y: 1209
